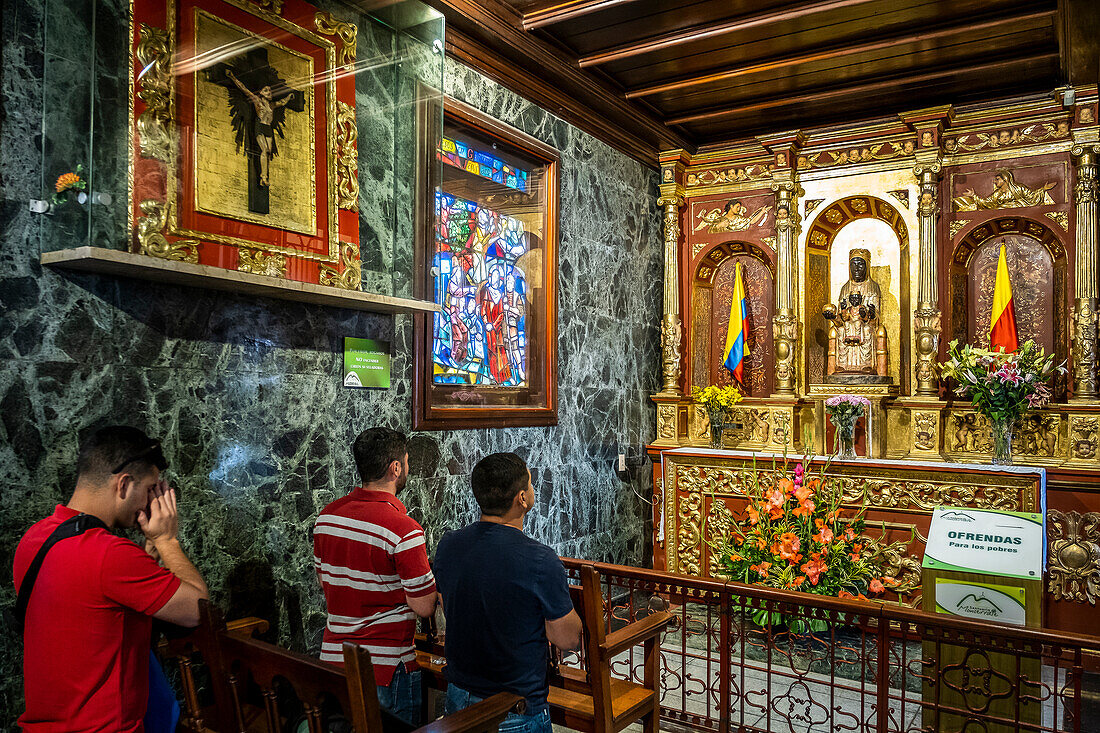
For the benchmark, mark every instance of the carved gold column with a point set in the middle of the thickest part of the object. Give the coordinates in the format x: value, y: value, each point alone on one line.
x: 785, y: 323
x: 1086, y: 273
x: 671, y: 331
x: 927, y: 315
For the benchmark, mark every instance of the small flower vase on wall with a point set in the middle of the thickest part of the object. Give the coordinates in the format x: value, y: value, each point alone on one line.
x: 1002, y: 428
x: 717, y: 427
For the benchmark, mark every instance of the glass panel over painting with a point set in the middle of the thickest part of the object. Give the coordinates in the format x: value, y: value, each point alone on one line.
x: 487, y: 272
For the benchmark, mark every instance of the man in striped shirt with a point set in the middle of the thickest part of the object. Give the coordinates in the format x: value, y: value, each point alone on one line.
x: 373, y: 567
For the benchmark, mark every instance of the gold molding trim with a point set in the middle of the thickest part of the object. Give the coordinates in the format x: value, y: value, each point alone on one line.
x: 258, y: 262
x: 275, y: 7
x: 347, y: 159
x: 151, y: 239
x: 154, y: 55
x: 1036, y: 132
x: 719, y: 176
x: 329, y: 25
x: 957, y: 226
x: 1073, y: 549
x: 849, y: 155
x: 352, y: 275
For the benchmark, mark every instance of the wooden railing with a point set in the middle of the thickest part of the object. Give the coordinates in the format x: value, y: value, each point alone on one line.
x: 748, y: 658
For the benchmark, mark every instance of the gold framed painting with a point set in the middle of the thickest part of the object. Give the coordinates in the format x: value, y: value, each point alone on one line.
x: 243, y: 146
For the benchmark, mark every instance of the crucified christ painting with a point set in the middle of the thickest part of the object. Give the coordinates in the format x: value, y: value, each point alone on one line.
x: 258, y: 102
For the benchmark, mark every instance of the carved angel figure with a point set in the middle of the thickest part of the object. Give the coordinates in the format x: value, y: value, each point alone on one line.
x: 734, y: 217
x: 1007, y: 194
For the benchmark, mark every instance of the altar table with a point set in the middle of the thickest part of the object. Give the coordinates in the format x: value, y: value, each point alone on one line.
x: 701, y: 491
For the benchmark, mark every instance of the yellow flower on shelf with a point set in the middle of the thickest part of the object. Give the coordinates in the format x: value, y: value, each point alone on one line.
x: 715, y: 398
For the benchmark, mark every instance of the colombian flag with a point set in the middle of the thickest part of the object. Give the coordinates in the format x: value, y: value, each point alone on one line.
x: 1002, y: 322
x: 737, y: 334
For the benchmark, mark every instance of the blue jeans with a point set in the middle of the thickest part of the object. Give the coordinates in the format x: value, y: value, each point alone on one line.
x: 402, y: 695
x: 457, y: 699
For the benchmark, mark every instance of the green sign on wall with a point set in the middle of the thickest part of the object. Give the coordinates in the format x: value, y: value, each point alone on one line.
x: 366, y: 363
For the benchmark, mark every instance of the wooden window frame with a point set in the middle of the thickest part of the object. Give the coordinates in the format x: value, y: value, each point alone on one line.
x: 542, y: 356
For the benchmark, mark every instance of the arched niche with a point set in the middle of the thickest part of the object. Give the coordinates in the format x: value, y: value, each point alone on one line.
x: 882, y: 230
x: 1038, y: 269
x: 712, y: 296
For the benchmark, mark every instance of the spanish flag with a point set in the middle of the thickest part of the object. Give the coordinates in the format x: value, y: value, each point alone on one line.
x: 737, y: 333
x: 1002, y: 322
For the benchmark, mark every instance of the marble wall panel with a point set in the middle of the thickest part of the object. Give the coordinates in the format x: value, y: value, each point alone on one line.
x: 245, y: 392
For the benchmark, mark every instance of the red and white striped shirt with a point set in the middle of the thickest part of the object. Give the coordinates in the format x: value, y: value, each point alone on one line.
x: 369, y: 554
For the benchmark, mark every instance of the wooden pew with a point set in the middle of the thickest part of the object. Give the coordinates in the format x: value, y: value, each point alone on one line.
x: 246, y: 675
x: 596, y: 701
x: 591, y: 700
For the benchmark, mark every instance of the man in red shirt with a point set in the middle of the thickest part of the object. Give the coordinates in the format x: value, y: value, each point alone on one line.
x: 373, y: 567
x: 89, y: 616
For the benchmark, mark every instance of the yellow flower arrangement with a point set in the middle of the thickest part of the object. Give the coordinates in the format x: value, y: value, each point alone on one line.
x: 717, y: 399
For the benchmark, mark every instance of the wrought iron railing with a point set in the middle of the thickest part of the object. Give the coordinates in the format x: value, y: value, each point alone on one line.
x: 747, y: 658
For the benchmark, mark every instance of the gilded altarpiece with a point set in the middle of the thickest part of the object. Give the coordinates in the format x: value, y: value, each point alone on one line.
x: 929, y: 196
x: 243, y: 144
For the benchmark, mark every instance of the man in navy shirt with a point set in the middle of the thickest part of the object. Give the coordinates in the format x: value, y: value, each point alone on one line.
x: 504, y: 595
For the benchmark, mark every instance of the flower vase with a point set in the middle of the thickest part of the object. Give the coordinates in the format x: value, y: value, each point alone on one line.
x: 846, y: 440
x: 717, y: 427
x: 1002, y: 428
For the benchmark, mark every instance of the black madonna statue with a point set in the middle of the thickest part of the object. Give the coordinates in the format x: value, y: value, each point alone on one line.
x: 857, y: 340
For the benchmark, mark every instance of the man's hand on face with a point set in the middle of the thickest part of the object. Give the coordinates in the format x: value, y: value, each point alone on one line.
x: 160, y: 520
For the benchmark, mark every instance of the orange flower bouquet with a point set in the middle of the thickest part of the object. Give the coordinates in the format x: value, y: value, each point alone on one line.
x: 72, y: 181
x: 795, y: 535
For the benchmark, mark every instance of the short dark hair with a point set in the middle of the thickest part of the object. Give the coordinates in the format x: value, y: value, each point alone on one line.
x: 375, y: 449
x: 496, y: 480
x: 111, y: 449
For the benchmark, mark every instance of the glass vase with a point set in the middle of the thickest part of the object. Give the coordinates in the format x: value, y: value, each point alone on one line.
x: 1002, y: 428
x: 717, y: 427
x: 846, y: 440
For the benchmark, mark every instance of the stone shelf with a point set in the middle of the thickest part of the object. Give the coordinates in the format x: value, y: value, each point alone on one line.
x: 127, y: 264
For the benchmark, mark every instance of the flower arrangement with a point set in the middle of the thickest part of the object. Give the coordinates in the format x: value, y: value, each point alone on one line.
x: 794, y: 535
x: 1002, y: 386
x: 719, y: 402
x: 66, y: 182
x: 844, y: 412
x: 716, y: 399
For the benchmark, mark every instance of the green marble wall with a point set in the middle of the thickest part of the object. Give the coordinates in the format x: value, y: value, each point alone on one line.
x: 246, y: 392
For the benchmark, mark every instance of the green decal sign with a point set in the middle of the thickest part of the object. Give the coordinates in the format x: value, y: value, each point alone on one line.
x: 366, y: 363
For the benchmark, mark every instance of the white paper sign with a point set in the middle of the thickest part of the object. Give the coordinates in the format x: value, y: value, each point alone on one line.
x: 1008, y: 544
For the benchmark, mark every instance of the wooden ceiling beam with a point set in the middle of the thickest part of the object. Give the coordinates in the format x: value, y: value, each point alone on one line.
x: 738, y: 109
x: 559, y: 11
x: 711, y: 30
x: 573, y: 94
x: 837, y: 52
x: 1079, y: 41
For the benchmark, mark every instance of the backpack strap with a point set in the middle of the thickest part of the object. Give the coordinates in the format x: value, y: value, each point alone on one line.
x: 71, y: 527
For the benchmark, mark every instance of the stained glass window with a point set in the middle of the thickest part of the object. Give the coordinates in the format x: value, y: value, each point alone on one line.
x: 482, y: 163
x: 488, y: 260
x: 481, y: 335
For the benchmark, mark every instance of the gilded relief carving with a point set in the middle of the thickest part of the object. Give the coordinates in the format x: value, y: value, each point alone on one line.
x: 271, y: 6
x: 924, y: 430
x: 901, y: 195
x: 261, y: 263
x: 347, y: 158
x: 154, y: 89
x: 781, y: 427
x: 1083, y: 437
x: 956, y: 226
x: 970, y: 433
x: 1034, y: 133
x: 902, y: 567
x: 328, y: 25
x: 1061, y: 218
x: 927, y: 495
x: 719, y: 524
x: 1006, y: 194
x: 666, y: 422
x: 690, y: 518
x: 1032, y: 269
x: 1073, y: 547
x: 733, y: 217
x: 351, y: 277
x: 151, y: 239
x: 927, y: 323
x: 847, y: 156
x: 1035, y: 435
x: 671, y: 334
x: 812, y: 204
x: 755, y: 172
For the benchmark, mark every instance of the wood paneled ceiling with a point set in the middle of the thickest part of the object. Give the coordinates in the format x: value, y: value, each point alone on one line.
x: 658, y: 74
